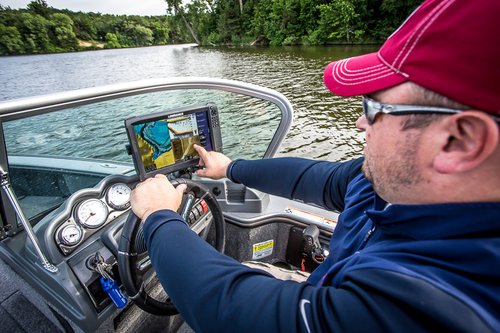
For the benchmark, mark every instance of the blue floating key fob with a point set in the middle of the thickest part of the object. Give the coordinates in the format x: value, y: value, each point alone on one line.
x: 114, y: 292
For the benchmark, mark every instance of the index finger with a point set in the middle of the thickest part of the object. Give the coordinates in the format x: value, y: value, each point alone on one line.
x: 201, y: 151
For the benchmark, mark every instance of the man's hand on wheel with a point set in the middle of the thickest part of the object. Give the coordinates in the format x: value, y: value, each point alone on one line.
x: 215, y: 163
x: 155, y: 194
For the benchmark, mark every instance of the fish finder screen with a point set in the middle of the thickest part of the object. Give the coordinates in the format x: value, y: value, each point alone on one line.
x: 168, y: 141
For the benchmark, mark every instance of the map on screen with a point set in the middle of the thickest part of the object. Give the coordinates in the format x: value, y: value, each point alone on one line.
x: 165, y: 142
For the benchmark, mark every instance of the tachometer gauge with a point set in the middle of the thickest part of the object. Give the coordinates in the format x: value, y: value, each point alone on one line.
x: 119, y: 196
x: 70, y: 235
x: 92, y: 213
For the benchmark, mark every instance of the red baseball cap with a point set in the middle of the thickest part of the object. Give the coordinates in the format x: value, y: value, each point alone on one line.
x: 451, y: 47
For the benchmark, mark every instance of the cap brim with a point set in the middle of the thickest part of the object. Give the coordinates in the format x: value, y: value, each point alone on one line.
x: 360, y: 75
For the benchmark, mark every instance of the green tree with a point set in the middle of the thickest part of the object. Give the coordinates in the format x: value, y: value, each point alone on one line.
x: 346, y: 15
x: 229, y: 21
x: 140, y: 35
x: 177, y: 8
x: 39, y: 7
x: 11, y: 41
x: 84, y: 27
x: 111, y: 41
x: 309, y: 15
x: 203, y: 21
x: 260, y: 22
x: 393, y: 13
x: 336, y: 23
x: 160, y: 32
x: 62, y: 32
x: 103, y: 25
x: 34, y: 29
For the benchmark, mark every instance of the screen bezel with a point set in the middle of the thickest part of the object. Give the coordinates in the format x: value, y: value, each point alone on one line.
x: 215, y: 137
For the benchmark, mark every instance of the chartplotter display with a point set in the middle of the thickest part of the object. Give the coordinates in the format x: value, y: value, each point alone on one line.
x: 163, y: 142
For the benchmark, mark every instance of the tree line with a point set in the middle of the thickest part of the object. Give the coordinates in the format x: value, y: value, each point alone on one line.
x: 291, y: 22
x: 42, y: 29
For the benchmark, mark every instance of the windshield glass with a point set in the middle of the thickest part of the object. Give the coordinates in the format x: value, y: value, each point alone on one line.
x: 53, y: 155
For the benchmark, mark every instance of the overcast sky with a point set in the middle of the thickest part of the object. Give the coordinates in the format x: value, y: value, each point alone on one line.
x: 127, y: 7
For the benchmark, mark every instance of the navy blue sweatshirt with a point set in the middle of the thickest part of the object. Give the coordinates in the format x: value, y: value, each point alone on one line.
x: 401, y: 268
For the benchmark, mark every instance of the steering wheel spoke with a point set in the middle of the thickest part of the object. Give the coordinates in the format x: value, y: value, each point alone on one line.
x: 187, y: 205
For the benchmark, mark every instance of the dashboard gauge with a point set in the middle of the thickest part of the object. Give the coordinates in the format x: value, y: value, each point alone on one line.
x: 70, y: 235
x: 119, y: 196
x: 92, y: 213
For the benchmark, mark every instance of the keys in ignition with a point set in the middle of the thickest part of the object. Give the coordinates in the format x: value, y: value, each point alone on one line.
x: 108, y: 284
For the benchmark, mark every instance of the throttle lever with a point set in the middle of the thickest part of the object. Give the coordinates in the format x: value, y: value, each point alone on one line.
x: 313, y: 247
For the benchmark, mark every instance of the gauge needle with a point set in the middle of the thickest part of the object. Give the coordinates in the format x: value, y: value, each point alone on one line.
x: 91, y: 214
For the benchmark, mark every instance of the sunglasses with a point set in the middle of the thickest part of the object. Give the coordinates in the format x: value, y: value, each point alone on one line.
x: 372, y: 108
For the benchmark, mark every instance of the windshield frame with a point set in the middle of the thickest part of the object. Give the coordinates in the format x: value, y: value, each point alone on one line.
x: 34, y: 106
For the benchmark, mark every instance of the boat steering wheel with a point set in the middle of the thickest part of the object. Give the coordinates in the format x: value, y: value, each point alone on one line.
x: 134, y: 265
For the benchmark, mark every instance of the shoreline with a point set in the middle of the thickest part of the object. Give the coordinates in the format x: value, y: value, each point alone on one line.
x: 88, y: 46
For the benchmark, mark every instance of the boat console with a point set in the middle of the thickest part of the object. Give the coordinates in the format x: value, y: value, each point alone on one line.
x: 71, y: 180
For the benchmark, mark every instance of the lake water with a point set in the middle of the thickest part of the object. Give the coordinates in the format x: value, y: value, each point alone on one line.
x: 323, y: 126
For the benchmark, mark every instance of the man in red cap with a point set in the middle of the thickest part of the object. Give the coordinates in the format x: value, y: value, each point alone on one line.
x: 417, y: 245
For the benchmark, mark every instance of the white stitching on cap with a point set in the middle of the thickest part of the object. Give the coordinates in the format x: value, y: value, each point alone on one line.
x: 339, y: 69
x: 365, y: 81
x: 415, y: 31
x: 441, y: 10
x: 404, y: 46
x: 362, y: 70
x: 345, y: 77
x: 339, y: 78
x: 345, y: 72
x: 397, y: 70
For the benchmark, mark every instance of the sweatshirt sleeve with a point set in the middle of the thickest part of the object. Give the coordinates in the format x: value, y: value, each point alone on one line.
x: 215, y: 293
x: 317, y: 182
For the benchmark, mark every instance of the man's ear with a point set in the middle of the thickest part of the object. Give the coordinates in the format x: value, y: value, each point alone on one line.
x: 472, y: 137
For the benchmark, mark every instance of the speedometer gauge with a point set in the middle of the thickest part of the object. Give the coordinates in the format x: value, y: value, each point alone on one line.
x: 92, y: 213
x: 119, y: 196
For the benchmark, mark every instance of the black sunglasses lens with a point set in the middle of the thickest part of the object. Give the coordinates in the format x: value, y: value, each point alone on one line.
x: 369, y: 117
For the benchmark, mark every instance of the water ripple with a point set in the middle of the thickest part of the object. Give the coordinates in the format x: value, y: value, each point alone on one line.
x: 323, y: 124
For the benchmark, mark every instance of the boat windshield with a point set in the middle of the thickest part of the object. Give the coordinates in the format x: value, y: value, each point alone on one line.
x: 53, y: 155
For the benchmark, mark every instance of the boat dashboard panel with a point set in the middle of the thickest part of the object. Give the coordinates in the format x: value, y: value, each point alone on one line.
x: 89, y: 224
x: 92, y: 212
